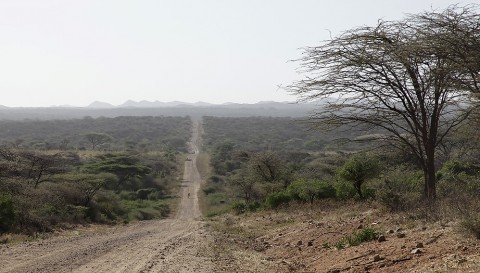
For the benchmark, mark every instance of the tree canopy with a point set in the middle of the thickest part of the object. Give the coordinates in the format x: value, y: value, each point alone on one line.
x: 412, y: 79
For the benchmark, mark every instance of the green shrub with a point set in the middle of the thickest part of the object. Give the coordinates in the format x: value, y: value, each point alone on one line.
x: 306, y: 190
x: 107, y: 207
x: 472, y: 226
x: 239, y: 207
x: 275, y: 199
x: 163, y: 209
x: 216, y: 199
x: 365, y: 235
x: 344, y: 190
x: 156, y: 195
x: 215, y: 179
x: 128, y: 195
x: 209, y: 190
x: 253, y: 206
x: 143, y: 193
x: 400, y: 189
x: 7, y: 213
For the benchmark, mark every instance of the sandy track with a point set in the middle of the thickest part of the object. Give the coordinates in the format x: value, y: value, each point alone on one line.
x: 180, y: 244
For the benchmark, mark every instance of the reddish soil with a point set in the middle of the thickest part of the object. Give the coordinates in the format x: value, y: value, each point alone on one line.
x: 303, y: 240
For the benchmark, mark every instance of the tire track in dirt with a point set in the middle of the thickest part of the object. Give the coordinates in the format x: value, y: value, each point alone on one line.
x: 180, y: 244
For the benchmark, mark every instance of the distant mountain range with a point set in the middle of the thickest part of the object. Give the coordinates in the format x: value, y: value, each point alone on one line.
x: 156, y: 108
x: 159, y: 104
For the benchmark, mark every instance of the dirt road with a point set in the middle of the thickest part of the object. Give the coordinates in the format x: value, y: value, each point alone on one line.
x: 180, y: 244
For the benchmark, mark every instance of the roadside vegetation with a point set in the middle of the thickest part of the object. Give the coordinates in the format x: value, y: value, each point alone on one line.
x: 127, y: 170
x: 397, y: 132
x: 246, y: 178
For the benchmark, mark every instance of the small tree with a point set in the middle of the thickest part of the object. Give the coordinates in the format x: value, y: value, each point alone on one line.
x: 245, y: 184
x: 125, y: 167
x: 358, y: 169
x: 267, y: 167
x: 38, y: 168
x: 96, y: 139
x: 88, y: 184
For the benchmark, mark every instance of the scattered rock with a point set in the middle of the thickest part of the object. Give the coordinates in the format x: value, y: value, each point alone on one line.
x: 377, y: 258
x: 390, y: 231
x: 360, y: 226
x: 416, y: 251
x: 419, y: 245
x: 464, y: 248
x: 310, y: 243
x: 299, y: 243
x: 381, y: 238
x: 401, y: 235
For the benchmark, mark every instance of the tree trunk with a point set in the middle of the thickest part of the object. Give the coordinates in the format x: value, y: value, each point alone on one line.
x: 358, y: 188
x: 430, y: 190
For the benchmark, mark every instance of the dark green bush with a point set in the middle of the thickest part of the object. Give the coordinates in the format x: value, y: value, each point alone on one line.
x: 307, y: 190
x: 275, y: 199
x: 128, y: 195
x: 472, y: 225
x: 253, y: 206
x: 400, y: 189
x: 7, y: 213
x: 215, y: 179
x: 344, y: 190
x: 156, y: 195
x: 143, y: 193
x: 209, y: 190
x: 365, y: 235
x: 239, y: 207
x: 164, y: 209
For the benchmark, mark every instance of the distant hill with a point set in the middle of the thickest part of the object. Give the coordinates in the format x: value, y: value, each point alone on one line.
x: 157, y: 108
x: 100, y: 104
x: 155, y: 104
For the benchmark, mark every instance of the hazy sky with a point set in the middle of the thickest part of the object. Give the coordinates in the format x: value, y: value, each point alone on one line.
x: 56, y: 52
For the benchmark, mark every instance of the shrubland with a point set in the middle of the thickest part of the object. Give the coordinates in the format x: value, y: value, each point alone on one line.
x: 43, y: 189
x: 248, y: 176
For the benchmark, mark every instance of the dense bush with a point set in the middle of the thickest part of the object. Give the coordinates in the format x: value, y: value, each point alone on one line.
x: 240, y: 207
x: 276, y: 199
x: 127, y: 133
x: 144, y: 193
x: 400, y: 189
x: 7, y: 213
x: 307, y: 190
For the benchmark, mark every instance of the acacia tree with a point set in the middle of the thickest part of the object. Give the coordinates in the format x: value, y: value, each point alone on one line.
x: 97, y: 139
x: 412, y: 78
x: 358, y: 169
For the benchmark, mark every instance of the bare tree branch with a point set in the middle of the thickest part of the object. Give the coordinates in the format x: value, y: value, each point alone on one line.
x: 412, y: 78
